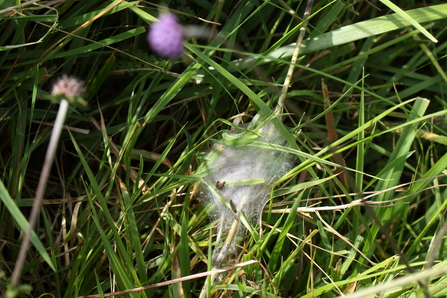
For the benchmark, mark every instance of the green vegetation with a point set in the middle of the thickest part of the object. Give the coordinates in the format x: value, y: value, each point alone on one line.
x: 361, y: 210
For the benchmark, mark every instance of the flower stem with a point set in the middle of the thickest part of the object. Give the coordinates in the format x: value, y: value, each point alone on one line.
x: 52, y: 146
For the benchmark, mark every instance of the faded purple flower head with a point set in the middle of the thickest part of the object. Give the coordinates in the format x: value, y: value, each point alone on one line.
x: 166, y: 36
x: 69, y: 86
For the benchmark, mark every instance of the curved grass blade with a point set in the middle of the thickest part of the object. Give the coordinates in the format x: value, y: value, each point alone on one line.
x: 409, y: 19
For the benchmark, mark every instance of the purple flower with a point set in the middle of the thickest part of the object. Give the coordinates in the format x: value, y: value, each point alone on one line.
x: 166, y: 36
x: 68, y: 86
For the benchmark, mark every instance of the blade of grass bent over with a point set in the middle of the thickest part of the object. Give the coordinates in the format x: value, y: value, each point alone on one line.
x: 350, y: 33
x: 409, y: 19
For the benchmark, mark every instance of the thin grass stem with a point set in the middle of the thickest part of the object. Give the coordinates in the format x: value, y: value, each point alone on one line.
x: 287, y: 81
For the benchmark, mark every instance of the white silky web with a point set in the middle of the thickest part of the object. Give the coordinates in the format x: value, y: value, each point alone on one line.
x: 239, y: 178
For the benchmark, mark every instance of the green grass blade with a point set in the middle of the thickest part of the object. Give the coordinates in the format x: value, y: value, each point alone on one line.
x: 393, y: 171
x: 23, y: 223
x: 354, y: 32
x: 120, y: 264
x: 276, y: 253
x: 408, y: 19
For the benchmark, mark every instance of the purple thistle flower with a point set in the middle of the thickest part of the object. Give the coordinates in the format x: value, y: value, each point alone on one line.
x: 166, y: 36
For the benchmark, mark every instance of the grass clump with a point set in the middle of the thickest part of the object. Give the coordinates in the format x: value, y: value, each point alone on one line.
x: 358, y: 212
